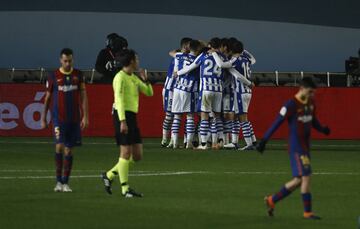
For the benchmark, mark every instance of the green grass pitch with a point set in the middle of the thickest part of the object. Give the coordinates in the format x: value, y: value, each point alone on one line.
x: 183, y: 189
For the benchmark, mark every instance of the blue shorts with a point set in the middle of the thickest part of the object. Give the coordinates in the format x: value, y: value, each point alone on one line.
x: 300, y: 164
x: 68, y: 134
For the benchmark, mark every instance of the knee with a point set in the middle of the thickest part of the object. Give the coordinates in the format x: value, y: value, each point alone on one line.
x: 243, y: 118
x: 189, y: 116
x: 59, y: 148
x: 297, y: 181
x: 125, y: 152
x: 67, y: 151
x: 169, y: 116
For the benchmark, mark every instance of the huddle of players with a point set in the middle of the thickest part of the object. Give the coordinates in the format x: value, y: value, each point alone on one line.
x: 213, y: 81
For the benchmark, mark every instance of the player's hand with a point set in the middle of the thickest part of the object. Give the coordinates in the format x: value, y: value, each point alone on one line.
x: 43, y: 124
x: 143, y: 74
x: 211, y: 51
x: 261, y: 146
x: 175, y: 74
x: 123, y: 127
x: 326, y: 130
x: 84, y: 123
x: 252, y: 85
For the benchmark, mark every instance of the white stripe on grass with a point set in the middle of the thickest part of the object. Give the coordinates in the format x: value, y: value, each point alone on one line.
x: 153, y: 143
x: 180, y: 173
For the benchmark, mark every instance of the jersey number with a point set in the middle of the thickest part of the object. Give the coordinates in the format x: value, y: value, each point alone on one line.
x: 209, y: 65
x: 247, y: 72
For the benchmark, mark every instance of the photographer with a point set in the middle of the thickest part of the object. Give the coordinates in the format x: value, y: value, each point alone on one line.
x: 105, y: 59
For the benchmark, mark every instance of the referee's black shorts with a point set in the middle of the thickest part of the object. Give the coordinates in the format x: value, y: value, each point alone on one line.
x: 133, y: 136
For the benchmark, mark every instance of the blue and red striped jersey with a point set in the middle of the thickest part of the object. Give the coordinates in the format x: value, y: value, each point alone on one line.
x: 65, y: 89
x: 301, y: 118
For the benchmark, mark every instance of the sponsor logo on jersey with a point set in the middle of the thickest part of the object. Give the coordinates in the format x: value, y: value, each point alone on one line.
x: 305, y: 118
x: 67, y: 88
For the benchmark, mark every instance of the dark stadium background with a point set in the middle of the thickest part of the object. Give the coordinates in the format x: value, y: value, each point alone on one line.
x: 299, y: 35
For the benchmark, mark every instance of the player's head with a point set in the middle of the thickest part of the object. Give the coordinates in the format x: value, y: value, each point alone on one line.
x: 127, y: 58
x: 236, y: 47
x: 225, y: 46
x: 185, y: 43
x: 232, y: 41
x: 66, y: 59
x: 204, y: 46
x: 214, y: 43
x: 307, y: 88
x: 195, y: 46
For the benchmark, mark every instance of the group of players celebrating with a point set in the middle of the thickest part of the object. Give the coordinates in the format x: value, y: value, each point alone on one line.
x: 213, y: 81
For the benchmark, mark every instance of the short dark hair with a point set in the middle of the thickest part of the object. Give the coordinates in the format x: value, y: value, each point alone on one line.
x: 215, y: 43
x: 236, y: 46
x: 125, y: 57
x: 307, y: 82
x: 195, y: 45
x: 66, y: 52
x: 184, y: 41
x: 225, y: 42
x: 232, y: 41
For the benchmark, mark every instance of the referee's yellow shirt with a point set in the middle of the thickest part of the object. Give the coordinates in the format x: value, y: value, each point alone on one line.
x: 126, y: 93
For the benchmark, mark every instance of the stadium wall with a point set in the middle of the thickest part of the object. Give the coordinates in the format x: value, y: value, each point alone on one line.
x: 21, y: 104
x: 32, y: 39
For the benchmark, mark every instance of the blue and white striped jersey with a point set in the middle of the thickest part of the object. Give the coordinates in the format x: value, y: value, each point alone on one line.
x: 210, y: 73
x: 242, y: 65
x: 187, y: 82
x: 170, y: 80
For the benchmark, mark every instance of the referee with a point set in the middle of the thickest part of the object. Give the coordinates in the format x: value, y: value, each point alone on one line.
x: 127, y: 86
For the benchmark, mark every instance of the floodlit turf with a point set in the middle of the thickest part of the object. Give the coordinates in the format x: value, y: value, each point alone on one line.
x: 183, y: 189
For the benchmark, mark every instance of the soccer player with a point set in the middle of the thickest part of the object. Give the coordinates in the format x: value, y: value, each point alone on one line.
x: 240, y: 68
x: 300, y: 113
x: 210, y: 94
x: 185, y: 95
x: 228, y: 93
x: 66, y: 88
x: 127, y: 87
x: 167, y: 92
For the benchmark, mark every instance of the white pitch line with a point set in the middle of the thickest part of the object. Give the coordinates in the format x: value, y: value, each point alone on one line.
x: 179, y: 173
x: 52, y: 170
x: 152, y: 143
x: 99, y: 176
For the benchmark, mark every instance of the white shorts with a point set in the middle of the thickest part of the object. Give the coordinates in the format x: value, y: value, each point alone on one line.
x: 242, y: 102
x: 228, y: 103
x: 183, y: 102
x: 210, y: 101
x: 167, y: 99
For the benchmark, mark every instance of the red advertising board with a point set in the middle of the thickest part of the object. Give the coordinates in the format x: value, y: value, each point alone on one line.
x: 21, y: 104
